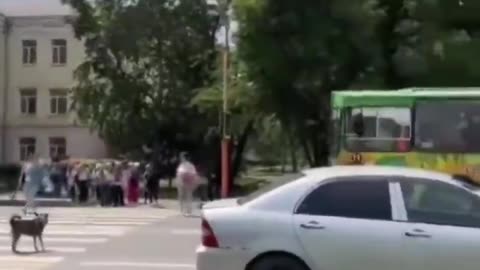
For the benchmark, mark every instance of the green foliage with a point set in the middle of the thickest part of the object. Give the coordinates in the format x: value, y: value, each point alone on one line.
x: 144, y: 60
x: 297, y: 52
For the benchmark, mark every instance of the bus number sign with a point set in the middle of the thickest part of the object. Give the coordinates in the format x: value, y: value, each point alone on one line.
x: 357, y: 158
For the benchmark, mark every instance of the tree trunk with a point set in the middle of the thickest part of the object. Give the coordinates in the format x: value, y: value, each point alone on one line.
x: 306, y: 151
x: 293, y: 152
x: 239, y: 149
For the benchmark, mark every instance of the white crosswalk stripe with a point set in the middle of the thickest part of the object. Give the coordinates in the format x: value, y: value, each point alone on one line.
x: 73, y: 231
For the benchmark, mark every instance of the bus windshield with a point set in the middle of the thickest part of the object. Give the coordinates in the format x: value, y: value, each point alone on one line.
x: 448, y: 126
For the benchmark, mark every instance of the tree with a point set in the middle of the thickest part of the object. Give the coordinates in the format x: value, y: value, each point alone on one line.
x: 297, y: 52
x: 429, y: 43
x: 144, y: 59
x: 244, y: 113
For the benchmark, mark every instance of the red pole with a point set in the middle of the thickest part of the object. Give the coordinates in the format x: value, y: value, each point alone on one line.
x: 226, y: 188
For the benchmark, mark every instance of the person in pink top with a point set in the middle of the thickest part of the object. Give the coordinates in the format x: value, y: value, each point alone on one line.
x: 134, y: 187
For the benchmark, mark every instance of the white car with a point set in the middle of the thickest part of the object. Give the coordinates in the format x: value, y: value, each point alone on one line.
x: 346, y: 218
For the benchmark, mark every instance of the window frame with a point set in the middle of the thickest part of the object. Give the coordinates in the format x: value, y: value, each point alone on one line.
x: 56, y: 95
x: 57, y: 52
x: 53, y: 143
x: 336, y: 133
x: 26, y: 96
x: 402, y: 204
x: 346, y: 113
x: 23, y: 147
x: 388, y: 179
x: 27, y: 52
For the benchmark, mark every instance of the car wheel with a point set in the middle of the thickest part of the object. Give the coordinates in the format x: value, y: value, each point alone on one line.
x: 278, y: 262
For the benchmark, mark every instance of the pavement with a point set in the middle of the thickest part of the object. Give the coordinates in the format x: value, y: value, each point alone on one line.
x: 129, y: 238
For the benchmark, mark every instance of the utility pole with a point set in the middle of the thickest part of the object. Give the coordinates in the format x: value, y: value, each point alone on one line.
x: 224, y: 6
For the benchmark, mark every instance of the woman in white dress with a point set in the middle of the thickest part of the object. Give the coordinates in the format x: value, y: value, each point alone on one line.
x: 187, y: 180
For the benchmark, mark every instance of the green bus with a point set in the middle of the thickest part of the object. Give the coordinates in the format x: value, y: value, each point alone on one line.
x: 431, y: 128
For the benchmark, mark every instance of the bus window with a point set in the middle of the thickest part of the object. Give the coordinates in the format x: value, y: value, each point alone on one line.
x: 448, y: 126
x: 379, y: 129
x: 335, y: 135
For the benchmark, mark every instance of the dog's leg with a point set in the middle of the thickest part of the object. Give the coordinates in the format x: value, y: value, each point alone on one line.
x: 41, y: 242
x: 15, y: 238
x: 35, y: 243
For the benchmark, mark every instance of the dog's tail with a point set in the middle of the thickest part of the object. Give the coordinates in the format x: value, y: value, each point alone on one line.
x: 14, y: 218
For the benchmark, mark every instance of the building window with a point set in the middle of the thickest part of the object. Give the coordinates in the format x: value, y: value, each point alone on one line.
x: 27, y: 148
x: 58, y: 101
x: 59, y: 51
x: 29, y: 52
x: 28, y: 101
x: 58, y: 147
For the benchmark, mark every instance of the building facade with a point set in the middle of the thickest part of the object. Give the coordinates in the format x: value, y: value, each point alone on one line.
x: 38, y: 56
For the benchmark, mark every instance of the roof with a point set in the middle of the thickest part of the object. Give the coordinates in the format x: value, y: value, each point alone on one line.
x: 21, y: 8
x: 399, y: 98
x: 358, y: 170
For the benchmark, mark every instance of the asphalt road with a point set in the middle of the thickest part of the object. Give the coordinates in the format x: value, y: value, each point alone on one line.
x: 106, y: 239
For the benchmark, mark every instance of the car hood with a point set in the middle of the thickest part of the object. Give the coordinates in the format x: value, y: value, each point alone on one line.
x: 223, y: 203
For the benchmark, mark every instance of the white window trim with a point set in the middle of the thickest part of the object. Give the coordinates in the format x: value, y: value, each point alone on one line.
x: 56, y: 51
x: 23, y: 148
x: 57, y: 97
x: 28, y: 49
x: 27, y: 97
x: 56, y: 147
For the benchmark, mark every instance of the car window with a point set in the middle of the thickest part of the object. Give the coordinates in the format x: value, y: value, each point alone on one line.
x: 435, y: 202
x: 361, y: 198
x: 273, y: 184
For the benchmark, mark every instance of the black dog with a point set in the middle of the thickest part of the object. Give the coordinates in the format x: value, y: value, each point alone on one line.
x: 31, y: 227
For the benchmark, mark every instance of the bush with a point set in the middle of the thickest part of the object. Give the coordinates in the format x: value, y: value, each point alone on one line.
x: 9, y: 174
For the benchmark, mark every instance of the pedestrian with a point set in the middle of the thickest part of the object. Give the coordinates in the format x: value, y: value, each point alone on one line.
x: 99, y: 182
x: 187, y: 180
x: 71, y: 181
x: 83, y: 177
x: 134, y: 186
x: 34, y: 171
x: 117, y: 187
x: 56, y: 177
x: 152, y: 184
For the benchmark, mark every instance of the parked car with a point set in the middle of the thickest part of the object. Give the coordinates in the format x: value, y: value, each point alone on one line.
x: 346, y: 218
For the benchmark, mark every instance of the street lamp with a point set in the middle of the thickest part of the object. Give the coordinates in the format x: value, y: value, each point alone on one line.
x: 224, y: 7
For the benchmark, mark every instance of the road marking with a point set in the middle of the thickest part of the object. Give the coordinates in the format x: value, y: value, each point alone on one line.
x: 29, y: 259
x: 93, y: 222
x: 139, y: 265
x: 82, y: 240
x: 76, y: 232
x: 186, y: 232
x: 29, y: 248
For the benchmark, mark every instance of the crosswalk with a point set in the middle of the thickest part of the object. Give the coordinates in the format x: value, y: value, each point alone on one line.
x: 73, y: 231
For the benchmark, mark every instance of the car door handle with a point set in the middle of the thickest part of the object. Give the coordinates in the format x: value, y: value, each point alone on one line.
x: 418, y: 234
x: 312, y: 225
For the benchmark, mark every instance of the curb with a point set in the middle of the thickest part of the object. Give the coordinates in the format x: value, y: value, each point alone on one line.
x: 39, y: 202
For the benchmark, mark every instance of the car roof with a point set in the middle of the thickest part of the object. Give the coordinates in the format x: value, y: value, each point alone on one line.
x: 324, y: 173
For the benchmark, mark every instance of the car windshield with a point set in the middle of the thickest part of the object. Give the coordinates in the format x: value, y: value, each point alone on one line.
x: 273, y: 184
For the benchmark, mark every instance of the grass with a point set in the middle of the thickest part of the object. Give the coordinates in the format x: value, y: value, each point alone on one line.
x: 255, y: 178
